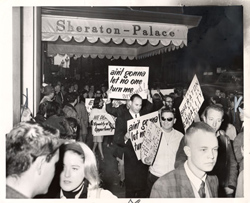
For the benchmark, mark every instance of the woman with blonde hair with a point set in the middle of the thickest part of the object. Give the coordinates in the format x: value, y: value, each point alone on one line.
x: 79, y: 177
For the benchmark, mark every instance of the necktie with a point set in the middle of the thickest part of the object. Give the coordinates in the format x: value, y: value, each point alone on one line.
x: 135, y: 115
x: 202, y: 190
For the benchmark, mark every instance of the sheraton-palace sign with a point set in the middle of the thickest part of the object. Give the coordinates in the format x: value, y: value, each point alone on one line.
x: 67, y: 26
x: 90, y: 27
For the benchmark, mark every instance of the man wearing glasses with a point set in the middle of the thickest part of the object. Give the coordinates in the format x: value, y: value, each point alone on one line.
x: 165, y: 158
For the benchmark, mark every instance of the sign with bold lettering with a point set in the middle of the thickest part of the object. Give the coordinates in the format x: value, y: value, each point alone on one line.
x: 191, y: 103
x: 79, y: 27
x: 103, y: 124
x: 151, y: 143
x: 124, y: 81
x: 137, y: 128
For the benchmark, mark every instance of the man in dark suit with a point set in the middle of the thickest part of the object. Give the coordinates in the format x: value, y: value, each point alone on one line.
x: 118, y: 151
x: 226, y: 165
x: 190, y: 180
x: 135, y: 170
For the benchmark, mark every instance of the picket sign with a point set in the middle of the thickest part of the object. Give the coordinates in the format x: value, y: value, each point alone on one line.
x: 151, y: 143
x: 191, y: 103
x: 137, y: 128
x: 103, y: 124
x: 124, y: 81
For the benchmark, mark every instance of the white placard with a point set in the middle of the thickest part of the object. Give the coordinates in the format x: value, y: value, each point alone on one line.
x: 137, y: 128
x: 151, y: 143
x: 124, y: 81
x: 103, y: 124
x: 191, y: 103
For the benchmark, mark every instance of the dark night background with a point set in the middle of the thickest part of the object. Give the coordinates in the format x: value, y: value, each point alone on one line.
x: 216, y: 42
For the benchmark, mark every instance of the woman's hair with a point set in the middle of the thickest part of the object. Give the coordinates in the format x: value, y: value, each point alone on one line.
x: 89, y: 160
x: 96, y: 103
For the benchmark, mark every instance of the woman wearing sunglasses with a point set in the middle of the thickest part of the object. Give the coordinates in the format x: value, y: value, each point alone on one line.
x: 79, y: 177
x: 169, y: 144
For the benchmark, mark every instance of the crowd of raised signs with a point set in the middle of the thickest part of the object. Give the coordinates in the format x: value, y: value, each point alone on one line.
x: 63, y: 107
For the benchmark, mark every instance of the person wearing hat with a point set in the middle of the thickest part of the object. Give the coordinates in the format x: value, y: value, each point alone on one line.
x: 79, y: 177
x: 32, y: 150
x: 48, y: 93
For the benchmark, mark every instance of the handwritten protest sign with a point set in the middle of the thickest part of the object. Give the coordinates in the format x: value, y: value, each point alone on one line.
x: 124, y: 81
x: 89, y: 103
x: 151, y: 143
x: 191, y: 103
x: 137, y: 128
x: 103, y: 124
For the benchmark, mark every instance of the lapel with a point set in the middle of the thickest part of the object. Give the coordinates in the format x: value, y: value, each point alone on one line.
x: 211, y: 185
x: 186, y: 189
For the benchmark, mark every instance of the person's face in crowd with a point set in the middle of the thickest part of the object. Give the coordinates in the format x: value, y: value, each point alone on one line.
x: 73, y: 171
x: 103, y: 89
x: 59, y: 83
x: 232, y: 104
x: 217, y: 93
x: 98, y: 93
x: 136, y: 105
x: 92, y: 88
x: 202, y: 151
x: 214, y: 118
x: 223, y: 95
x: 169, y: 102
x: 167, y: 121
x: 71, y: 89
x: 75, y: 87
x: 231, y: 95
x: 86, y: 87
x: 62, y: 88
x: 47, y: 173
x: 85, y: 95
x: 57, y: 88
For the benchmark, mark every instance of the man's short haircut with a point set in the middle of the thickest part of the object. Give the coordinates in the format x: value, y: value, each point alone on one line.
x: 71, y: 97
x: 214, y: 107
x: 135, y: 96
x: 167, y: 109
x: 27, y: 141
x: 192, y: 129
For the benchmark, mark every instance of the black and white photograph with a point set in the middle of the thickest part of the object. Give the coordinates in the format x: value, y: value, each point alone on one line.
x: 133, y: 102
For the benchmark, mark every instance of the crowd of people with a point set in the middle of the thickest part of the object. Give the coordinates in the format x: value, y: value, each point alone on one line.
x: 206, y: 160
